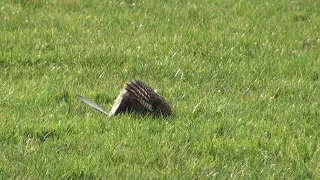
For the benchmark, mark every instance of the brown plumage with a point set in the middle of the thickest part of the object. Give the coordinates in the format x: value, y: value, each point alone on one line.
x: 138, y: 96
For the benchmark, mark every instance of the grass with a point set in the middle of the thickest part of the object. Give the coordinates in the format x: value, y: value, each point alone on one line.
x: 242, y: 77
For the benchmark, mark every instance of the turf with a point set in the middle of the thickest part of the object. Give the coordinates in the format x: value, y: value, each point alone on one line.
x: 242, y: 77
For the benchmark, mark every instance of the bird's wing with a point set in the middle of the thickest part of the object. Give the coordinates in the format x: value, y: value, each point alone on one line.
x: 142, y: 93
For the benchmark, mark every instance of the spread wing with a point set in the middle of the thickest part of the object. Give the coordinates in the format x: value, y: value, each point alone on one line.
x: 142, y: 93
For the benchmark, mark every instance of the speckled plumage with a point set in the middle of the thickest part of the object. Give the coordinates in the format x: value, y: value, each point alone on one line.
x: 135, y: 96
x: 138, y: 96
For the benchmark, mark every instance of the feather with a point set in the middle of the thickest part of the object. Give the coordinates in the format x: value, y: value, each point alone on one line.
x: 135, y: 96
x: 91, y: 104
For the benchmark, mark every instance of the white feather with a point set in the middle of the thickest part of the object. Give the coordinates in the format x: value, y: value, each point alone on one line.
x: 117, y: 102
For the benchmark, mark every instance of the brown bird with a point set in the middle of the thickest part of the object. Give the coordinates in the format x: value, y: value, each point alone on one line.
x: 136, y: 96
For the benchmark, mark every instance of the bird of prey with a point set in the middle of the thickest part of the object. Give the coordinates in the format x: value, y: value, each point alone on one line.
x: 138, y: 97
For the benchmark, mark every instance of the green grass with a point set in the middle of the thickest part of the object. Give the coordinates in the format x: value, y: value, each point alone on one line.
x: 242, y: 77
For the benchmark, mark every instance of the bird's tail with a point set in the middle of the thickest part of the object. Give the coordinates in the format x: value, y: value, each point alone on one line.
x: 92, y: 104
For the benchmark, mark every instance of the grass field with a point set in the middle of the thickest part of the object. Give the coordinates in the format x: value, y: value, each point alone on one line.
x: 242, y: 77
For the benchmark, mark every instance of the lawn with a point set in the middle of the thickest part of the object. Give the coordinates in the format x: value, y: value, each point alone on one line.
x: 242, y: 78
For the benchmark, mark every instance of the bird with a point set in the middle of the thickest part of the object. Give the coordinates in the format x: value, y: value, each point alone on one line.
x: 136, y: 96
